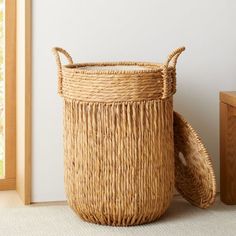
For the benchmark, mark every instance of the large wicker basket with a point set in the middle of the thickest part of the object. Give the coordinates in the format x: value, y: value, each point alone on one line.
x: 118, y: 138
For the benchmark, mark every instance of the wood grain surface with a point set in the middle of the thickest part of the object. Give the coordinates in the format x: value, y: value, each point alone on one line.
x: 228, y: 151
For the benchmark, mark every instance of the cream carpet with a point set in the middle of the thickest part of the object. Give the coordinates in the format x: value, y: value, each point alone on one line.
x: 181, y: 219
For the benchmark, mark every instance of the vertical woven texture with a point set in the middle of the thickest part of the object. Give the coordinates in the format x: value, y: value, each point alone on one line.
x: 118, y: 138
x: 119, y: 165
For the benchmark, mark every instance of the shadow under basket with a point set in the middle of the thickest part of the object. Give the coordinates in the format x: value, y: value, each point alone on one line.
x: 118, y: 138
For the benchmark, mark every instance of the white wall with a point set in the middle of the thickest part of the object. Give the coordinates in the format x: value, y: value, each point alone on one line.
x: 108, y: 30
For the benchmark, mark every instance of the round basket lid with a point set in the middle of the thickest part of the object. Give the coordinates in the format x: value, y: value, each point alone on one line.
x: 194, y: 175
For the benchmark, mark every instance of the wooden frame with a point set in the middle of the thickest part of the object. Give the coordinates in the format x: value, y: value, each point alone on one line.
x: 28, y: 104
x: 9, y: 181
x: 23, y: 88
x: 18, y: 87
x: 227, y: 147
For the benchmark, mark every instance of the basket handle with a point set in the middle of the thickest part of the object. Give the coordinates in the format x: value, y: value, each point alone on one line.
x: 56, y: 51
x: 171, y: 61
x: 173, y: 57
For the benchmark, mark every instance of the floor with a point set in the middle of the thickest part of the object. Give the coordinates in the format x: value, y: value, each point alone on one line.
x: 181, y: 219
x: 10, y: 199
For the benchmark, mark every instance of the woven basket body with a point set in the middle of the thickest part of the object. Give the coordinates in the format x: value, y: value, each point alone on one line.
x: 118, y: 140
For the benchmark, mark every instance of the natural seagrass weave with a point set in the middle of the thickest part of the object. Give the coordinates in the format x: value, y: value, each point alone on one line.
x: 118, y: 139
x: 194, y: 175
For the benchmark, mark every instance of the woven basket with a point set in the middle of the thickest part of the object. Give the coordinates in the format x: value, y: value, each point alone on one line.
x: 118, y: 138
x: 194, y: 174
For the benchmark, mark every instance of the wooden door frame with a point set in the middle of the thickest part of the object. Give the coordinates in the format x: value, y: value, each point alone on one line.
x: 18, y: 161
x: 23, y: 153
x: 28, y: 100
x: 9, y: 180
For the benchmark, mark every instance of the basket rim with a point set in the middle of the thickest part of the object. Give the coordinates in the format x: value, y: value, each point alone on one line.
x: 151, y: 67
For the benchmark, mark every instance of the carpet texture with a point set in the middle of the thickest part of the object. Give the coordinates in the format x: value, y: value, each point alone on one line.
x: 181, y: 219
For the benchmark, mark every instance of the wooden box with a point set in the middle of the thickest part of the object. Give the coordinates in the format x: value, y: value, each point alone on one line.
x: 228, y: 147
